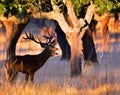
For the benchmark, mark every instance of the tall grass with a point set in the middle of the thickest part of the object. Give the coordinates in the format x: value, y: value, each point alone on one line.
x: 53, y: 89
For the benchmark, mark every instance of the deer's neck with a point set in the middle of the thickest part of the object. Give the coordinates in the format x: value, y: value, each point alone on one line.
x: 43, y: 57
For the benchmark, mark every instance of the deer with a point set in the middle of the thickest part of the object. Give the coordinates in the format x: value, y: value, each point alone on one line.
x: 29, y: 64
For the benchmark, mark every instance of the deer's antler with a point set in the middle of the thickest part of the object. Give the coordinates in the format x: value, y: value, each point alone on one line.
x: 50, y: 41
x: 30, y: 36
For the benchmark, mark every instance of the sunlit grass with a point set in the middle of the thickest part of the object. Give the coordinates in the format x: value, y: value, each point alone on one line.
x: 53, y: 89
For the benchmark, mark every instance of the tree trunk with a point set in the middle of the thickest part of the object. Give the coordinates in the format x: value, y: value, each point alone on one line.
x: 63, y: 42
x: 104, y: 29
x: 76, y: 45
x: 89, y: 51
x: 10, y: 32
x: 104, y: 22
x: 116, y: 21
x: 72, y: 32
x: 13, y: 32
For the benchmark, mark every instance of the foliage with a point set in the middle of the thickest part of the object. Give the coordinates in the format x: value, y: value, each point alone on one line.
x: 61, y: 5
x: 103, y: 6
x: 16, y: 7
x: 46, y: 6
x: 78, y: 4
x: 106, y: 5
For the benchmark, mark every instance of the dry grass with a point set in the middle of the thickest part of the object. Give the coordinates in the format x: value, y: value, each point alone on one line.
x: 53, y: 89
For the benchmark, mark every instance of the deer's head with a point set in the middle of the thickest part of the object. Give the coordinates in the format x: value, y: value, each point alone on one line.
x: 48, y: 45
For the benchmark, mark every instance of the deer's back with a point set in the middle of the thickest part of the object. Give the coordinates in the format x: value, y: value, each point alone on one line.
x: 26, y: 64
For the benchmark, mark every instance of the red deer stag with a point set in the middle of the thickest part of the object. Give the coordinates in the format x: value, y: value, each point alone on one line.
x: 29, y: 64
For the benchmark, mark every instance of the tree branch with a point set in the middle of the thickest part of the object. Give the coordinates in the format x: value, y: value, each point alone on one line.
x: 90, y: 11
x: 88, y: 17
x: 60, y: 18
x: 55, y: 14
x: 71, y: 12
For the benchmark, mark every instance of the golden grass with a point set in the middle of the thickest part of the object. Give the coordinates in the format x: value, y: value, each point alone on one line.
x: 52, y: 89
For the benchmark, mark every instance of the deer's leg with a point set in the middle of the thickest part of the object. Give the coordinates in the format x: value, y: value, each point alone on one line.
x: 31, y: 77
x: 26, y: 77
x: 13, y: 77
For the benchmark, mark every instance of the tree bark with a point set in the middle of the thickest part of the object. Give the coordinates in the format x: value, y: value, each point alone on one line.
x: 63, y: 42
x: 13, y: 31
x: 72, y: 32
x: 89, y: 51
x: 11, y: 28
x: 75, y: 62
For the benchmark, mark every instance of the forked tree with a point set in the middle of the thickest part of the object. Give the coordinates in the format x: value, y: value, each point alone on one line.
x: 71, y: 27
